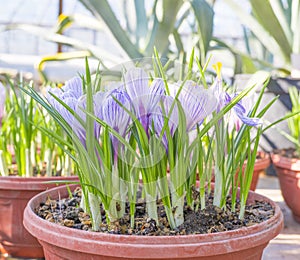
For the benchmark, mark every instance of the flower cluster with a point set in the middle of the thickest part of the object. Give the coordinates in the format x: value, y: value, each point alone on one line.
x: 142, y: 128
x: 149, y: 103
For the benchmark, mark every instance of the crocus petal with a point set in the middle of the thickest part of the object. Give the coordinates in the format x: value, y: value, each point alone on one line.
x: 73, y: 88
x: 136, y: 83
x: 115, y: 115
x: 71, y: 102
x: 50, y: 92
x: 220, y: 94
x: 241, y: 114
x: 77, y: 127
x: 252, y: 121
x: 71, y: 95
x: 157, y: 87
x: 143, y: 98
x: 238, y: 109
x: 196, y: 102
x: 99, y: 98
x: 166, y: 113
x: 157, y: 91
x: 163, y: 114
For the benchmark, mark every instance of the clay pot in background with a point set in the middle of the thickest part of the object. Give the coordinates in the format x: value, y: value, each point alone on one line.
x: 288, y: 171
x: 15, y: 192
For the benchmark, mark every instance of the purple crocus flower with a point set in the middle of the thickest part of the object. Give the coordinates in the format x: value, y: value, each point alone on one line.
x: 69, y: 94
x: 73, y: 88
x: 197, y: 102
x: 163, y: 113
x: 98, y: 98
x: 144, y: 98
x: 2, y: 101
x: 80, y: 108
x: 239, y: 114
x: 72, y: 95
x: 115, y: 115
x: 239, y: 111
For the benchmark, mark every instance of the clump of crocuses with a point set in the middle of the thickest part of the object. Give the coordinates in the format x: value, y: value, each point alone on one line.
x: 151, y: 131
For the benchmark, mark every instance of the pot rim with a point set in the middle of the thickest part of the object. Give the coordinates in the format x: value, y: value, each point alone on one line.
x: 192, y: 245
x: 286, y: 162
x: 31, y: 183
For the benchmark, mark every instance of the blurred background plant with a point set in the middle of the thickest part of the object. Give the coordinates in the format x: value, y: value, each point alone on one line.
x: 259, y: 34
x: 173, y: 26
x: 25, y: 150
x: 271, y: 34
x: 293, y: 135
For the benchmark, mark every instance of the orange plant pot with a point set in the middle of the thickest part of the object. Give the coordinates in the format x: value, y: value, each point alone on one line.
x: 15, y: 192
x: 288, y: 171
x: 60, y: 242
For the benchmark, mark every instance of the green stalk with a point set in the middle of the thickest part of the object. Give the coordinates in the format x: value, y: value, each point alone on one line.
x: 93, y: 169
x: 220, y: 166
x: 48, y: 160
x: 178, y: 205
x: 249, y: 171
x: 202, y: 176
x: 3, y: 166
x: 132, y: 192
x: 94, y: 206
x: 164, y: 192
x: 28, y: 171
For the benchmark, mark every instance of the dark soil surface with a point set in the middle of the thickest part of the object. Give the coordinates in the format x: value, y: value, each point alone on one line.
x: 67, y: 212
x: 262, y: 155
x: 13, y: 171
x: 288, y: 152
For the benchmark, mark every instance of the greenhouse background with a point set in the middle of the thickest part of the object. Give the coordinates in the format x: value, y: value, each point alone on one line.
x: 21, y: 52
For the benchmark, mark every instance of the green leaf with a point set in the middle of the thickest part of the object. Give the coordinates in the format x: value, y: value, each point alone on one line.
x: 102, y: 10
x: 250, y: 61
x: 59, y: 57
x: 204, y: 15
x: 295, y: 22
x: 265, y: 15
x: 141, y: 19
x: 65, y: 40
x: 261, y: 33
x: 166, y: 26
x: 80, y: 20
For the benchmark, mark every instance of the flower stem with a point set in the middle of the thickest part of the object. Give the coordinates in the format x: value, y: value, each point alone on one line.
x: 3, y: 166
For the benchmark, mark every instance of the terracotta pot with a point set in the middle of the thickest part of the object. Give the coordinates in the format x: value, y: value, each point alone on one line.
x: 288, y: 171
x: 15, y: 192
x: 60, y: 242
x: 261, y: 164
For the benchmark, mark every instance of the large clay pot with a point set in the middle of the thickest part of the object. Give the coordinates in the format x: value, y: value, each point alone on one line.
x: 60, y: 242
x: 288, y: 171
x: 15, y: 192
